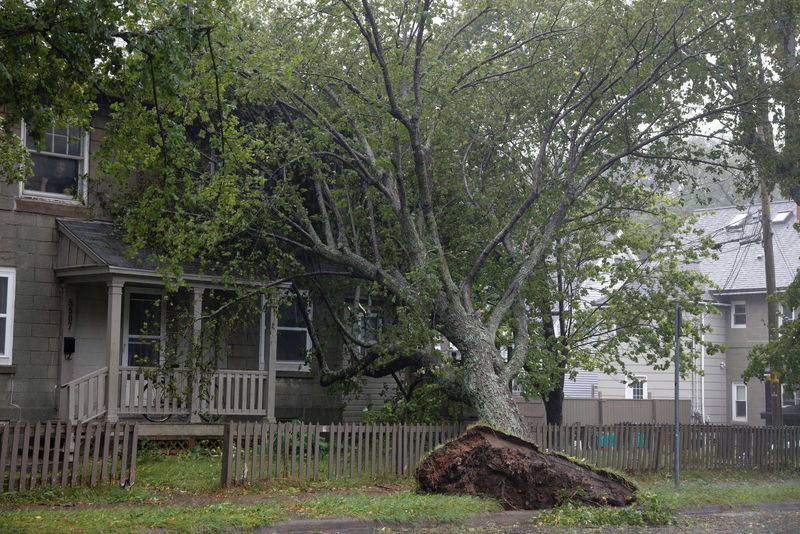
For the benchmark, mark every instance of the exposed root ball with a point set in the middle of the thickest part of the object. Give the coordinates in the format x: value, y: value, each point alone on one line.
x: 484, y: 461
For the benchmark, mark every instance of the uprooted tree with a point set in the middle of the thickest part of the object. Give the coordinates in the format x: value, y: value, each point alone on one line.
x: 429, y: 152
x: 485, y: 461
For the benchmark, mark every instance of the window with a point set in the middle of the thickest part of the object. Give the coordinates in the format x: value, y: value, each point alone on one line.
x: 637, y: 388
x: 738, y: 315
x: 369, y: 325
x: 739, y: 402
x: 786, y: 313
x: 59, y: 164
x: 293, y: 342
x: 781, y: 216
x: 144, y: 328
x: 737, y: 221
x: 7, y: 279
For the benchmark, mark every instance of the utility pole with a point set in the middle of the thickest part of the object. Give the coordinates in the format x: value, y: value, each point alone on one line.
x: 775, y: 396
x: 677, y: 395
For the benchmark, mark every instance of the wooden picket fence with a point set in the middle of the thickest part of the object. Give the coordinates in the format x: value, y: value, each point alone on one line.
x: 254, y: 451
x: 58, y: 453
x: 260, y: 450
x: 643, y: 447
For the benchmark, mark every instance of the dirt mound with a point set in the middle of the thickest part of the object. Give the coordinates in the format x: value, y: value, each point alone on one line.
x: 484, y: 461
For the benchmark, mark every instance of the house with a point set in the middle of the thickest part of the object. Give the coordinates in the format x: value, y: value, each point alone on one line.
x: 718, y: 394
x: 78, y: 316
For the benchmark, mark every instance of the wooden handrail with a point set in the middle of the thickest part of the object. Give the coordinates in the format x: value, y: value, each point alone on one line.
x: 86, y: 396
x: 84, y: 378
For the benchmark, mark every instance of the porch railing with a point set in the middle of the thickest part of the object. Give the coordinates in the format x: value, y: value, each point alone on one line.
x: 86, y: 396
x: 229, y: 392
x: 140, y: 394
x: 235, y: 393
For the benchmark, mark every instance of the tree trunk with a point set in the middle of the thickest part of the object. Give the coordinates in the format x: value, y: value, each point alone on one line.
x: 495, y: 405
x: 482, y: 383
x: 554, y: 403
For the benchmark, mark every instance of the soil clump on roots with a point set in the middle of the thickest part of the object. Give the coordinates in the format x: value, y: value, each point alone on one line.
x: 484, y: 461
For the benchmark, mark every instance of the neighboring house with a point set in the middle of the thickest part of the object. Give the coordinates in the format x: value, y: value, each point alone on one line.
x: 584, y: 384
x: 719, y: 395
x: 74, y: 309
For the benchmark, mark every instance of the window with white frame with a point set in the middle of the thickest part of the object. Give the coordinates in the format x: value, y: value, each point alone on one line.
x: 7, y: 282
x: 294, y: 341
x: 786, y: 313
x: 144, y: 327
x: 738, y: 315
x: 60, y: 163
x: 739, y: 401
x: 637, y: 388
x: 368, y: 326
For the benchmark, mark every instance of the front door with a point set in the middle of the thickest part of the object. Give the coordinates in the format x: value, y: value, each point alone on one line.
x: 144, y: 328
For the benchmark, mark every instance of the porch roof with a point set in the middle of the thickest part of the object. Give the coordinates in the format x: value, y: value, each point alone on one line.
x: 97, y: 249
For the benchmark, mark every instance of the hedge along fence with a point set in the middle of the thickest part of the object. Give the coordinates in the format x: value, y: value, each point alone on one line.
x: 254, y: 451
x: 59, y: 453
x: 642, y: 447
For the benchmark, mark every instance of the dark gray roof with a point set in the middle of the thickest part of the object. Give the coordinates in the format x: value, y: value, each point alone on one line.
x: 740, y: 263
x: 106, y: 242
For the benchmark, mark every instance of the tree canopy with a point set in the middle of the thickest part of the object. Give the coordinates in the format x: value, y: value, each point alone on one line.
x: 53, y: 53
x: 452, y: 158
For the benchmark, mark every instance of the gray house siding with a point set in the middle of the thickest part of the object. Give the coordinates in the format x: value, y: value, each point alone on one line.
x: 46, y: 311
x: 714, y: 402
x: 28, y: 244
x: 737, y: 270
x: 739, y: 342
x: 371, y: 397
x: 583, y: 386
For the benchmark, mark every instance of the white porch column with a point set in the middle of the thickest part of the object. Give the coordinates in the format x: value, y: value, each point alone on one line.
x: 113, y: 347
x: 271, y: 359
x: 197, y: 331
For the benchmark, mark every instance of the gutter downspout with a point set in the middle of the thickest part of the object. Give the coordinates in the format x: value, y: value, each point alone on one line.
x: 11, y: 401
x: 703, y: 367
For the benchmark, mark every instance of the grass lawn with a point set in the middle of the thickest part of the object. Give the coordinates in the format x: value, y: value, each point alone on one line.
x: 727, y: 488
x: 182, y: 493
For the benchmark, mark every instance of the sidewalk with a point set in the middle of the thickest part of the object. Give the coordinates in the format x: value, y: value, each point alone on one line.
x: 770, y: 517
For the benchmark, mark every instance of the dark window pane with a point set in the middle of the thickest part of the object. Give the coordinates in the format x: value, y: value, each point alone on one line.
x: 142, y: 354
x: 368, y: 328
x: 3, y: 294
x: 3, y: 336
x: 59, y: 144
x: 74, y: 149
x: 292, y: 345
x: 53, y: 174
x: 739, y: 314
x: 289, y: 315
x: 145, y: 315
x: 741, y: 409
